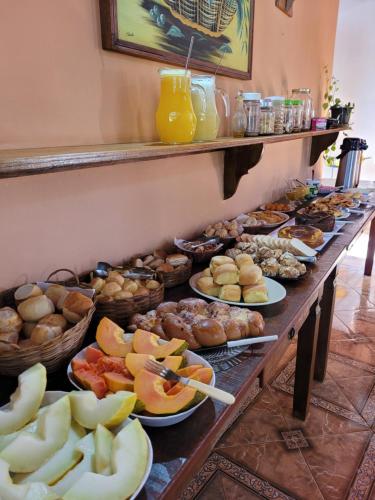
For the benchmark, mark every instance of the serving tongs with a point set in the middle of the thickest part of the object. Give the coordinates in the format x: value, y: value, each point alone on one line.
x: 103, y: 268
x: 209, y: 390
x: 211, y: 241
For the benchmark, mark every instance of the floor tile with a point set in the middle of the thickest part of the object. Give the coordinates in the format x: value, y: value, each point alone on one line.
x: 363, y: 486
x: 333, y: 461
x: 355, y: 351
x: 361, y: 322
x: 340, y: 330
x: 275, y: 463
x: 233, y: 490
x: 357, y: 389
x: 348, y: 299
x: 343, y: 367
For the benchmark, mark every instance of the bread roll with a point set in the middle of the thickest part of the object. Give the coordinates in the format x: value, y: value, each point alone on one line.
x: 77, y: 305
x: 242, y: 259
x: 231, y: 293
x: 43, y: 333
x: 232, y: 329
x: 250, y: 274
x: 256, y: 323
x: 206, y: 272
x: 26, y: 292
x: 35, y: 308
x: 209, y: 332
x: 156, y: 263
x: 122, y: 294
x: 255, y: 293
x: 165, y: 268
x: 219, y: 260
x: 152, y: 284
x: 207, y: 285
x: 97, y: 284
x: 175, y: 327
x: 141, y: 290
x: 196, y: 306
x: 10, y: 321
x: 115, y: 277
x: 130, y: 286
x: 8, y: 341
x: 27, y: 329
x: 111, y: 288
x: 226, y: 274
x: 176, y: 259
x: 103, y: 299
x: 57, y: 293
x: 54, y: 320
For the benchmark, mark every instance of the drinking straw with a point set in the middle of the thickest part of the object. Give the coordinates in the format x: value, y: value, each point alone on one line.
x: 189, y: 54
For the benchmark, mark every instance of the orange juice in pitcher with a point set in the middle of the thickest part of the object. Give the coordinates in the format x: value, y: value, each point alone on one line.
x: 175, y: 118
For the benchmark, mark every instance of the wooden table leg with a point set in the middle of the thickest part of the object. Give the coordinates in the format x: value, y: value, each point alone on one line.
x: 370, y: 250
x: 305, y: 362
x: 325, y: 326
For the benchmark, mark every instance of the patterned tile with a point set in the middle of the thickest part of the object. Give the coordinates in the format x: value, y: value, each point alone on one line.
x: 295, y: 439
x: 348, y: 299
x: 368, y: 412
x: 364, y: 483
x: 357, y: 389
x: 354, y: 351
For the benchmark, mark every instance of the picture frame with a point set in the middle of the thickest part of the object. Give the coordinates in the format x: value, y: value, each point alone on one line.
x: 160, y: 30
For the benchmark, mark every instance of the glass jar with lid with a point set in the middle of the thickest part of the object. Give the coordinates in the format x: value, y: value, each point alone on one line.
x: 278, y: 104
x: 297, y: 115
x: 267, y: 118
x: 288, y: 116
x: 252, y: 109
x: 304, y: 94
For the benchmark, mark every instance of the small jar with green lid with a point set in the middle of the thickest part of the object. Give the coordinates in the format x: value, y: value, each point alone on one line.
x: 288, y: 116
x: 297, y: 115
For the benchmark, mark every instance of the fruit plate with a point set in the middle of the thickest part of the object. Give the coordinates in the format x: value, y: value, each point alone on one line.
x: 276, y: 293
x: 53, y: 396
x: 284, y: 217
x: 150, y: 420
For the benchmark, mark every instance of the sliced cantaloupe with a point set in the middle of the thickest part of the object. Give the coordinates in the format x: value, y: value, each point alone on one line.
x: 188, y: 370
x: 203, y: 375
x: 150, y: 390
x: 175, y: 389
x: 25, y: 401
x: 147, y: 343
x: 135, y: 362
x: 60, y: 463
x: 117, y: 382
x: 129, y: 463
x: 90, y: 380
x: 89, y: 411
x: 110, y: 338
x: 31, y: 450
x: 79, y: 364
x: 92, y: 354
x: 103, y: 450
x: 173, y: 362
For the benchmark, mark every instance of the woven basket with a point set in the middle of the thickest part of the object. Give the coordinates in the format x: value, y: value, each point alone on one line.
x: 52, y: 354
x: 213, y: 15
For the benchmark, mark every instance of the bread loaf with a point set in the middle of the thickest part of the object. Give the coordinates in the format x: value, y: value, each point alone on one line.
x: 226, y: 274
x: 175, y: 327
x: 77, y: 305
x: 35, y: 308
x: 26, y: 292
x: 57, y: 293
x: 10, y: 321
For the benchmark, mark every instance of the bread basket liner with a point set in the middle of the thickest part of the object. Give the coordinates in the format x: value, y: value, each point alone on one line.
x: 54, y: 353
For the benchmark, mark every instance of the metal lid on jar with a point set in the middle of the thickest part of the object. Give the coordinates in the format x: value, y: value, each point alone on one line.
x: 276, y: 98
x: 251, y: 96
x: 266, y: 103
x: 302, y: 90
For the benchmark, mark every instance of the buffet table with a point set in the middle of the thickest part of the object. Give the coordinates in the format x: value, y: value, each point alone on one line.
x: 180, y: 450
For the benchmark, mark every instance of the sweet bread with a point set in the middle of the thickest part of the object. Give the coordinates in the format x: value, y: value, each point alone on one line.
x: 309, y: 235
x: 207, y: 285
x: 209, y: 332
x: 250, y: 274
x: 197, y: 306
x: 255, y: 293
x: 166, y: 307
x: 175, y: 327
x: 231, y: 293
x: 226, y: 274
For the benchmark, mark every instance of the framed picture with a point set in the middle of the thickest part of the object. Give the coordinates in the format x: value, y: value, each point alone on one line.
x: 286, y: 6
x: 162, y: 29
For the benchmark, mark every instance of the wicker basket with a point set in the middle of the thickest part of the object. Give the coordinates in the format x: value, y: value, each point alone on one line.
x: 213, y: 15
x: 52, y: 354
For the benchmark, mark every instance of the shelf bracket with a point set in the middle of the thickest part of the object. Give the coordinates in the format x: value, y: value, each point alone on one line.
x: 237, y: 162
x: 320, y: 143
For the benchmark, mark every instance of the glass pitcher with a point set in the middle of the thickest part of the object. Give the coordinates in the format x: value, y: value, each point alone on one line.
x: 208, y: 120
x: 175, y: 118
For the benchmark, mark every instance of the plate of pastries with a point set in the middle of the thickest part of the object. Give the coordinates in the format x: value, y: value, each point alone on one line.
x: 345, y: 200
x: 324, y: 205
x: 322, y: 220
x: 274, y: 263
x: 269, y: 218
x: 237, y: 281
x: 224, y: 230
x: 279, y: 207
x: 249, y: 243
x: 199, y: 323
x: 311, y: 236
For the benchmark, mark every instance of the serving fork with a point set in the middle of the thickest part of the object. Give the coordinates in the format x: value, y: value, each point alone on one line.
x: 209, y: 390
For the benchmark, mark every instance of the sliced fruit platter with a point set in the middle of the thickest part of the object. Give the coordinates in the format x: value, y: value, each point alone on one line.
x: 116, y: 362
x: 57, y: 445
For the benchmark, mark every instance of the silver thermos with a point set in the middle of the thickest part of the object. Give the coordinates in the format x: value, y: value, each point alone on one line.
x: 350, y: 162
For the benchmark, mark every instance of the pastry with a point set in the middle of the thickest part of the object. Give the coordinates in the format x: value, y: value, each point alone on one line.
x: 279, y: 207
x: 269, y: 217
x: 309, y: 235
x: 265, y: 253
x: 10, y: 321
x: 233, y: 252
x: 209, y: 332
x: 175, y: 327
x: 270, y: 267
x: 76, y: 306
x: 288, y: 259
x: 35, y: 308
x: 26, y: 292
x: 226, y: 274
x: 177, y: 259
x: 197, y: 306
x: 242, y: 259
x: 232, y: 293
x: 219, y: 260
x: 54, y: 320
x: 250, y: 274
x: 288, y: 272
x: 57, y: 293
x: 166, y: 307
x: 207, y: 285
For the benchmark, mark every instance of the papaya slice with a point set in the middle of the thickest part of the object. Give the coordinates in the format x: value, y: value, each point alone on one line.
x: 110, y: 364
x: 92, y: 354
x: 173, y: 362
x: 188, y: 370
x: 203, y: 374
x: 135, y: 362
x: 110, y: 338
x: 147, y: 343
x: 92, y: 381
x: 117, y: 382
x: 78, y: 364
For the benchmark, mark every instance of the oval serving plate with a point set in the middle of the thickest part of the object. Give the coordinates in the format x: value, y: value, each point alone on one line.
x: 276, y: 293
x: 155, y: 421
x: 289, y: 211
x: 284, y: 218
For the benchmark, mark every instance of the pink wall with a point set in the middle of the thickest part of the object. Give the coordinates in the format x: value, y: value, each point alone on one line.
x: 58, y: 87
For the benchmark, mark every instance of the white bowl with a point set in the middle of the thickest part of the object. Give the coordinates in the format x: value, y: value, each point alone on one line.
x: 53, y: 396
x: 163, y: 420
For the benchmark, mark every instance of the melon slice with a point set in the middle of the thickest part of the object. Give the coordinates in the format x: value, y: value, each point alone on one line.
x: 135, y: 362
x: 103, y: 450
x: 89, y: 411
x: 86, y: 447
x: 147, y: 343
x: 31, y: 450
x: 60, y: 463
x: 129, y: 462
x: 188, y: 370
x: 117, y: 382
x: 30, y: 491
x: 110, y: 338
x: 150, y: 390
x: 25, y: 401
x: 173, y: 362
x: 30, y: 427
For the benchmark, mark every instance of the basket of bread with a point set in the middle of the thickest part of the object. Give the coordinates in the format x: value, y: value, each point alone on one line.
x: 225, y: 230
x: 42, y: 323
x: 175, y: 268
x: 124, y: 292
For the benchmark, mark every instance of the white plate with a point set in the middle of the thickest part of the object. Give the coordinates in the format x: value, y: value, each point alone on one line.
x: 276, y: 293
x: 265, y: 224
x: 53, y: 396
x: 157, y: 421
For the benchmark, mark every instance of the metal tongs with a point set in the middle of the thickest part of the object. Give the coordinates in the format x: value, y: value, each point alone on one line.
x: 103, y: 268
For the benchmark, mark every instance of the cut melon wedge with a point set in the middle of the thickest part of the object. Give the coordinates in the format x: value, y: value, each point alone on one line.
x: 31, y: 491
x: 25, y: 401
x: 86, y: 447
x: 103, y: 450
x: 110, y: 338
x: 60, y: 463
x: 129, y: 461
x: 147, y: 343
x: 30, y: 450
x: 135, y: 362
x: 89, y: 411
x: 173, y: 362
x: 30, y: 427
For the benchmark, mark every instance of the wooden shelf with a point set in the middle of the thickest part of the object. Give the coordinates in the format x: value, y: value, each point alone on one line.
x: 241, y: 155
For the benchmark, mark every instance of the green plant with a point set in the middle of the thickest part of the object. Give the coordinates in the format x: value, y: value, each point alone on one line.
x: 332, y: 88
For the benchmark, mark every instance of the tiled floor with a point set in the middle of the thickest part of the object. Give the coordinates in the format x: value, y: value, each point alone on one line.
x: 269, y: 454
